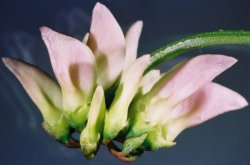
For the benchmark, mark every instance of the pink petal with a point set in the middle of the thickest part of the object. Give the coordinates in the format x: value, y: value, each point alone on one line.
x: 132, y: 39
x: 73, y: 64
x: 208, y: 102
x: 149, y: 80
x: 107, y: 42
x: 190, y: 76
x: 44, y: 91
x: 211, y: 101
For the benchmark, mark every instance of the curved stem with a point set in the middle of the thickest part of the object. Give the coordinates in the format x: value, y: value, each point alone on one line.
x: 197, y: 41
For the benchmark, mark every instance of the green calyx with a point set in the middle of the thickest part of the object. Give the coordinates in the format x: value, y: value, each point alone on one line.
x: 131, y: 144
x: 60, y: 131
x: 115, y: 119
x: 155, y: 140
x: 137, y: 125
x: 78, y: 117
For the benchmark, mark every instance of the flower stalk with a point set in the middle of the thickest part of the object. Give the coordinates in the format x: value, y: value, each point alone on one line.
x: 197, y: 41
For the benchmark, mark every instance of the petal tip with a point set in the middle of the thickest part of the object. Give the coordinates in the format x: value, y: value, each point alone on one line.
x: 157, y: 71
x: 139, y: 23
x: 221, y: 61
x: 231, y: 60
x: 45, y: 31
x: 242, y: 102
x: 136, y: 28
x: 5, y: 60
x: 145, y: 59
x: 14, y: 65
x: 227, y: 60
x: 8, y: 62
x: 99, y: 89
x: 146, y: 56
x: 99, y: 6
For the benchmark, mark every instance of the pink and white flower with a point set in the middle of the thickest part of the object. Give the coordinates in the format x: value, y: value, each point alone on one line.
x: 102, y: 92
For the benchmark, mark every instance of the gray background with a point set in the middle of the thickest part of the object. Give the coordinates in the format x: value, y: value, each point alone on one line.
x: 223, y: 140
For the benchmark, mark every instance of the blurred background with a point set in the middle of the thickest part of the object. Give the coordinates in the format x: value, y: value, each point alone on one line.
x: 223, y: 140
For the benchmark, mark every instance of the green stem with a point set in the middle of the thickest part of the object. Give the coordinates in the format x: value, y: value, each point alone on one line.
x: 197, y: 41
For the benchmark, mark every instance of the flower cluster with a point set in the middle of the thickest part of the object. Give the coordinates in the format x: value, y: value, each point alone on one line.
x: 103, y: 92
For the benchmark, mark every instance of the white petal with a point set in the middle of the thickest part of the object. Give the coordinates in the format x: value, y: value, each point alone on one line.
x: 85, y: 38
x: 132, y: 40
x: 149, y: 80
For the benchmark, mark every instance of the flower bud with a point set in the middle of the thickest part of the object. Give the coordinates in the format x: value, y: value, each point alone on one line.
x: 116, y: 117
x: 91, y: 135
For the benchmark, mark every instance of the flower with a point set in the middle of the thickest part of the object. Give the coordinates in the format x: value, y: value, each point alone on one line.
x: 102, y: 92
x: 181, y: 98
